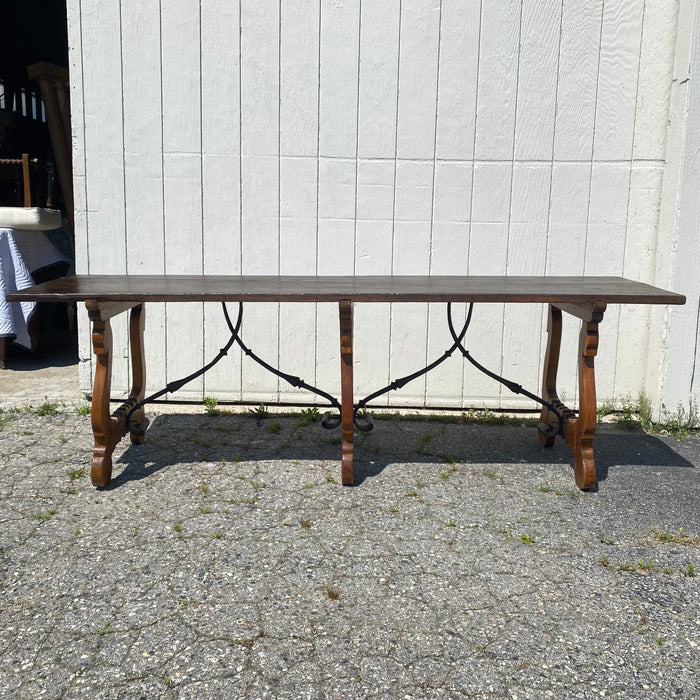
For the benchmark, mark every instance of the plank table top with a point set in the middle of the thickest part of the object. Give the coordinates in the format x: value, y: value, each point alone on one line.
x: 390, y: 288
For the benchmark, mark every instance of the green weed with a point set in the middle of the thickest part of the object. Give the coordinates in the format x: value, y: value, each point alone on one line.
x: 308, y: 416
x: 681, y: 537
x: 261, y: 412
x: 48, y: 408
x: 211, y: 406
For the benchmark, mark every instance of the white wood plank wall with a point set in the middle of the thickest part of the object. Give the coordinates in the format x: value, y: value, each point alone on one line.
x: 404, y: 136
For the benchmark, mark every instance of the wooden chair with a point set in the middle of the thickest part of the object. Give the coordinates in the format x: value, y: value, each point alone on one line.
x: 54, y: 86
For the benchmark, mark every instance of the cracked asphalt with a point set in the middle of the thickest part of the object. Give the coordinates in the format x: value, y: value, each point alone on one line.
x: 226, y: 560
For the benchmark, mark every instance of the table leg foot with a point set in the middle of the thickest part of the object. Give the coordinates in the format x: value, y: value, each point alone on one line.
x: 101, y: 467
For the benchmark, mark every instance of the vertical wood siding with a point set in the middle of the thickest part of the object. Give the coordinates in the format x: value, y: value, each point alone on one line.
x: 406, y: 137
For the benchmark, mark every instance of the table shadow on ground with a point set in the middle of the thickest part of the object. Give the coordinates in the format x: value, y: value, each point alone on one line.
x: 194, y: 438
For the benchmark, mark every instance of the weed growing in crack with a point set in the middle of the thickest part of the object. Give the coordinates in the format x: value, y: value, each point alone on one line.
x: 332, y: 593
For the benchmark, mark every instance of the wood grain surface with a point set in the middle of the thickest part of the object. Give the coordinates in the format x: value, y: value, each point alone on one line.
x: 394, y: 288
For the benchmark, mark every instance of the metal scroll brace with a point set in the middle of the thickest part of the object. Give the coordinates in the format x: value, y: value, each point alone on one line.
x: 364, y: 422
x: 327, y: 421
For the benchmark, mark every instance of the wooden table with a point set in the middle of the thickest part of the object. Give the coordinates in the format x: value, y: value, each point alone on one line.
x: 583, y: 297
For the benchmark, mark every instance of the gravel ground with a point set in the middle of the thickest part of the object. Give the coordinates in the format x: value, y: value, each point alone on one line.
x: 225, y: 560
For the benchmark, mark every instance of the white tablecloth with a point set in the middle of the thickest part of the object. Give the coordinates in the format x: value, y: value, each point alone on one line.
x: 22, y: 253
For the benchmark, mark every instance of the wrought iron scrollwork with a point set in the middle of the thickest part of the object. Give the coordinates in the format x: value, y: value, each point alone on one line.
x: 361, y: 418
x: 363, y: 421
x: 548, y: 430
x: 327, y: 421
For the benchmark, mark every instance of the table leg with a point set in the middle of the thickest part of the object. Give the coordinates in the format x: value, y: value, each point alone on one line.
x: 581, y: 439
x: 108, y: 429
x: 346, y: 392
x: 549, y: 378
x: 578, y: 430
x: 137, y: 321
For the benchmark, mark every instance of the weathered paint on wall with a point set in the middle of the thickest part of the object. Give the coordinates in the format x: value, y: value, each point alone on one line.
x: 406, y: 137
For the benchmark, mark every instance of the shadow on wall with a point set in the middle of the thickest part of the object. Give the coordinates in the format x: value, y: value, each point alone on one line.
x: 231, y: 438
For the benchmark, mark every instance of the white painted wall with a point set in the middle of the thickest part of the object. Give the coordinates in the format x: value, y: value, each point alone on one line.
x: 406, y: 137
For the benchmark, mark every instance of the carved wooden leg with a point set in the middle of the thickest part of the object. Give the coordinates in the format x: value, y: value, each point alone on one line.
x: 101, y: 470
x: 584, y: 429
x: 138, y: 367
x: 108, y: 428
x: 549, y: 375
x: 346, y: 392
x: 577, y: 430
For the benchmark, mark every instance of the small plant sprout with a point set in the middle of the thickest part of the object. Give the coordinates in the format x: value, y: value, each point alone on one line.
x: 260, y: 412
x: 211, y: 406
x: 305, y: 523
x: 689, y: 571
x: 526, y: 538
x: 48, y: 408
x: 332, y: 593
x: 681, y: 537
x: 308, y: 416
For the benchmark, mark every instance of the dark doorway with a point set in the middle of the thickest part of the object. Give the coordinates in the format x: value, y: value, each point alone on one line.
x: 34, y: 31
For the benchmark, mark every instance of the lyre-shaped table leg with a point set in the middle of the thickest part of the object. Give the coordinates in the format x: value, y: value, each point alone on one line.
x: 108, y: 428
x: 578, y: 430
x: 584, y: 430
x: 347, y: 411
x: 101, y: 470
x: 137, y: 322
x: 549, y: 375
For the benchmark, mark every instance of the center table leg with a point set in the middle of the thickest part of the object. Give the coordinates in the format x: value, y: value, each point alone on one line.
x: 346, y: 392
